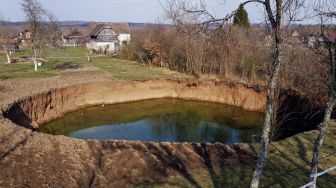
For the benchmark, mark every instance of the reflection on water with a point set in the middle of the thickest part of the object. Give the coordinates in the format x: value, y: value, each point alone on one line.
x: 160, y: 120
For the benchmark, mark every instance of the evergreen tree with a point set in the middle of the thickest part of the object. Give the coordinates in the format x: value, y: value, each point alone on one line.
x: 241, y: 17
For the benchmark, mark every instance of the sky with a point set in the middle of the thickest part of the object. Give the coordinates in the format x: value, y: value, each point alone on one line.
x: 140, y: 11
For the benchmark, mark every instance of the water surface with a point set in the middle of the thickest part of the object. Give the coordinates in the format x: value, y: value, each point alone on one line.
x: 160, y: 120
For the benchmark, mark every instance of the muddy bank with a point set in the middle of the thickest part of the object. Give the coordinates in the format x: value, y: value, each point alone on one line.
x: 36, y: 110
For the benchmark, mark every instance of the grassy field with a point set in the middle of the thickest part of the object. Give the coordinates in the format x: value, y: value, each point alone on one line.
x: 288, y: 165
x: 72, y: 58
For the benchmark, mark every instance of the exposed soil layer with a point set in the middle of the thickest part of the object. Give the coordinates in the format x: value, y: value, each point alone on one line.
x: 39, y: 160
x: 32, y: 159
x: 36, y: 110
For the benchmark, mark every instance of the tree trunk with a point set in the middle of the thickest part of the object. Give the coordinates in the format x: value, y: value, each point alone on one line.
x: 8, y: 58
x: 35, y: 64
x: 35, y: 60
x: 319, y: 140
x: 270, y: 113
x: 327, y: 116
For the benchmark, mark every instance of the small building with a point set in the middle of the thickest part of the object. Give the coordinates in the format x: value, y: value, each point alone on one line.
x: 294, y: 39
x: 9, y: 46
x: 109, y: 38
x: 24, y: 37
x: 268, y: 40
x: 296, y: 34
x: 316, y: 40
x: 74, y: 37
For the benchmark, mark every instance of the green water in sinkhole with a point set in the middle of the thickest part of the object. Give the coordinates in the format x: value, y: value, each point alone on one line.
x: 160, y: 120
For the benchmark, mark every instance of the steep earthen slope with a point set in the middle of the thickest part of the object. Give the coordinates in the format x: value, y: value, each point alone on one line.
x: 29, y: 158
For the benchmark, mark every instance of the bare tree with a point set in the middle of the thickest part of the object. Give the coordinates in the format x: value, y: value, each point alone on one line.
x: 270, y: 112
x: 35, y: 16
x: 53, y: 32
x: 279, y: 12
x: 5, y: 38
x: 326, y: 48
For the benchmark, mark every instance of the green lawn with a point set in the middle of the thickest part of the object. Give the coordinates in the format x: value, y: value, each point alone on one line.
x: 288, y: 165
x: 72, y: 58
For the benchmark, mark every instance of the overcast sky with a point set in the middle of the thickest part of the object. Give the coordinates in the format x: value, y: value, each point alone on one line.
x: 118, y: 10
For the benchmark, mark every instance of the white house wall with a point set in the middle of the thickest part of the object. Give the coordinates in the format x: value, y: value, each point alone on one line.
x: 102, y: 46
x: 125, y: 37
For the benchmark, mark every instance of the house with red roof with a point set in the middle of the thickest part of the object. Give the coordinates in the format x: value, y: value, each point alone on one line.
x: 74, y: 37
x: 108, y: 38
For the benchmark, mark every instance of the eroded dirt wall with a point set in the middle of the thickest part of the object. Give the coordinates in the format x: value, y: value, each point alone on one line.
x: 36, y: 110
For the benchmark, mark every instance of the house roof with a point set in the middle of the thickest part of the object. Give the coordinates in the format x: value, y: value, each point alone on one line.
x: 118, y: 28
x: 74, y: 32
x: 295, y: 34
x: 96, y: 29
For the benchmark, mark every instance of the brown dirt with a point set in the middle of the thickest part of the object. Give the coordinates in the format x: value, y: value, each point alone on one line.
x: 32, y: 159
x: 54, y: 103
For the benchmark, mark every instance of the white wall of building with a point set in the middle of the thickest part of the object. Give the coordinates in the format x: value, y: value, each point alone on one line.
x: 109, y: 46
x: 113, y: 47
x: 124, y: 37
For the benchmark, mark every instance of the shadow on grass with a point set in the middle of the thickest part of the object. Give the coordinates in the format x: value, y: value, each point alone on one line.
x: 290, y: 167
x: 4, y: 77
x: 66, y: 66
x: 208, y: 163
x: 172, y: 160
x: 216, y: 168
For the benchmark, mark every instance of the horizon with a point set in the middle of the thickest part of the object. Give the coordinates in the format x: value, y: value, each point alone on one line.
x: 151, y: 23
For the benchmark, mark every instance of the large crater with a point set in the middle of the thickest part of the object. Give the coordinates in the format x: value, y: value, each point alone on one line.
x: 160, y: 120
x: 78, y: 163
x: 34, y: 111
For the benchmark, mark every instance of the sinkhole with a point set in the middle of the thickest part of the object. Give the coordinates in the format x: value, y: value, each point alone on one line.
x: 160, y: 120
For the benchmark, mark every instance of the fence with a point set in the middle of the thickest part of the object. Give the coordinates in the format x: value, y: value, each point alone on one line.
x: 315, y: 176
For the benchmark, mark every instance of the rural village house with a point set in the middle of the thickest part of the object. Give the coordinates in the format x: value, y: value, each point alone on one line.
x: 17, y: 41
x: 109, y: 38
x: 74, y: 37
x: 24, y: 37
x: 9, y: 45
x: 316, y: 40
x: 294, y: 39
